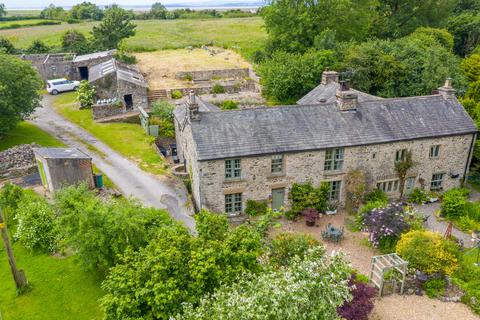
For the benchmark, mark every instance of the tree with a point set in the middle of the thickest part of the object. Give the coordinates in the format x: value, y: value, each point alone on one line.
x: 398, y: 18
x: 288, y: 76
x: 309, y: 288
x: 19, y: 85
x: 116, y: 26
x: 38, y: 46
x: 465, y: 29
x: 85, y: 11
x: 3, y: 12
x: 293, y: 25
x: 18, y: 275
x: 6, y: 46
x: 402, y: 167
x: 175, y: 268
x: 86, y: 95
x: 53, y: 13
x: 158, y: 11
x: 76, y: 42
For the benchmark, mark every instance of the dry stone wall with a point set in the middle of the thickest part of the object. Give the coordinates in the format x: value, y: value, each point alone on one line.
x: 18, y: 161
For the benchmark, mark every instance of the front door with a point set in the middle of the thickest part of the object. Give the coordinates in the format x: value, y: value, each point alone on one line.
x: 409, y: 185
x: 278, y: 198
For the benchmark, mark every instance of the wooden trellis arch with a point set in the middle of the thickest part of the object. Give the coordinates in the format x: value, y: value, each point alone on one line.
x: 383, y: 264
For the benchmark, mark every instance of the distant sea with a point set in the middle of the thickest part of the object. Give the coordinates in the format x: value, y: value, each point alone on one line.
x: 193, y: 6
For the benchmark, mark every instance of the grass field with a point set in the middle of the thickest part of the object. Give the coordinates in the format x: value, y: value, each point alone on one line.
x: 23, y: 23
x: 244, y: 34
x: 60, y: 289
x: 128, y: 139
x: 23, y: 13
x: 26, y: 133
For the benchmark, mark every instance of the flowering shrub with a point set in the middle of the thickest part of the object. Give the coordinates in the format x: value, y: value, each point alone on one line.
x: 36, y: 224
x: 305, y: 195
x: 285, y: 246
x: 418, y: 196
x: 385, y: 226
x: 428, y: 251
x: 311, y: 215
x: 362, y: 303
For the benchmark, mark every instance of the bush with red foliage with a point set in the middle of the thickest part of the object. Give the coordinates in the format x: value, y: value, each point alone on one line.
x: 362, y: 303
x: 311, y: 215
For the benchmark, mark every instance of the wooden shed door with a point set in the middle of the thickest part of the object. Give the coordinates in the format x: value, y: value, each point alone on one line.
x: 278, y: 198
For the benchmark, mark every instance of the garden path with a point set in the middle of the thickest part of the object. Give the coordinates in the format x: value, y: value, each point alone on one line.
x: 151, y: 190
x: 438, y: 225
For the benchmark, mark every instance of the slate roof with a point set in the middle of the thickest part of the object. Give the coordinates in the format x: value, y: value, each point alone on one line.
x: 282, y: 129
x: 60, y: 153
x: 95, y: 55
x: 123, y: 72
x: 328, y: 92
x: 203, y: 106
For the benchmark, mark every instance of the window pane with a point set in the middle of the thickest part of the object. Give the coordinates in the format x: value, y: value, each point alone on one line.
x: 277, y: 163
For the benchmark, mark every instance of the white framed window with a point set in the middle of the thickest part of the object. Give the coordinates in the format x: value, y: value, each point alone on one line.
x: 53, y: 68
x: 233, y: 203
x: 437, y: 182
x: 434, y: 152
x: 388, y: 186
x: 277, y: 163
x: 232, y: 169
x: 400, y: 155
x: 334, y: 190
x: 333, y: 159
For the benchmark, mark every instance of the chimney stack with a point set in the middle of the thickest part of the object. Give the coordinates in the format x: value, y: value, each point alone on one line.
x: 329, y: 76
x: 347, y: 100
x: 447, y: 90
x: 193, y: 109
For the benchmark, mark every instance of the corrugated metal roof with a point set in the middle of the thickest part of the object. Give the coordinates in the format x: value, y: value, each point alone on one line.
x: 123, y: 72
x: 60, y: 153
x: 95, y: 55
x: 280, y: 129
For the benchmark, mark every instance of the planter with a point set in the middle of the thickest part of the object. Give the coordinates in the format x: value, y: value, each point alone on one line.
x: 331, y: 212
x: 310, y: 223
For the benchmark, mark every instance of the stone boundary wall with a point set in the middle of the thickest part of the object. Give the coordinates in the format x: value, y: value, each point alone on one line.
x: 206, y: 75
x: 100, y: 111
x: 230, y: 87
x: 18, y: 161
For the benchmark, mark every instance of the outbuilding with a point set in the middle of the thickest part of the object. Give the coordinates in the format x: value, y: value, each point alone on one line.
x: 59, y: 167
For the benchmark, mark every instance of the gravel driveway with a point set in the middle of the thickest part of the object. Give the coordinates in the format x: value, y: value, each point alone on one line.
x: 151, y: 190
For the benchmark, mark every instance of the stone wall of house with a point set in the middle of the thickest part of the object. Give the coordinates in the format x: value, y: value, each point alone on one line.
x: 139, y: 93
x: 186, y: 152
x: 101, y: 111
x: 205, y: 75
x: 106, y: 87
x: 377, y: 161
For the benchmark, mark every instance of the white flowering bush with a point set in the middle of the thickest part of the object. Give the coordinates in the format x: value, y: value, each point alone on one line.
x: 311, y: 288
x: 36, y: 228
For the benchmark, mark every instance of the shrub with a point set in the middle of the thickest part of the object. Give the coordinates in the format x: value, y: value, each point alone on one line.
x: 36, y: 228
x: 467, y: 277
x: 10, y: 197
x: 418, y: 196
x: 453, y: 202
x: 85, y: 95
x: 435, y: 287
x: 285, y: 246
x: 304, y: 196
x: 229, y: 105
x: 187, y: 77
x: 362, y: 303
x: 428, y: 251
x: 255, y: 208
x: 385, y: 226
x: 211, y: 226
x: 472, y: 210
x: 218, y: 88
x: 311, y: 215
x: 376, y: 195
x: 176, y: 94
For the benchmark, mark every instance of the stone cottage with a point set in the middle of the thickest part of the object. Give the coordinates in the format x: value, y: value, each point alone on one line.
x: 234, y: 156
x: 67, y: 65
x: 119, y: 82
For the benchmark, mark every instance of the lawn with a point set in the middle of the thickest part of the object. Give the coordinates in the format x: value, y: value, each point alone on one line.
x: 129, y: 139
x: 60, y: 289
x: 26, y: 133
x: 244, y: 34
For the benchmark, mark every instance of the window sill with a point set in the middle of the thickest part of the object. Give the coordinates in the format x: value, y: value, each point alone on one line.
x: 232, y: 180
x: 277, y: 175
x: 332, y: 172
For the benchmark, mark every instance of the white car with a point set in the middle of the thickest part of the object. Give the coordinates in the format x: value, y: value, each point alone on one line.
x: 61, y: 85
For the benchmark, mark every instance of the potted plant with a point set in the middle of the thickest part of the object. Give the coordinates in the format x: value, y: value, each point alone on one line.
x: 311, y: 215
x: 331, y: 208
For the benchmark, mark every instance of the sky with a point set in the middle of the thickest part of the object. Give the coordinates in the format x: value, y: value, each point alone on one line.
x: 44, y: 3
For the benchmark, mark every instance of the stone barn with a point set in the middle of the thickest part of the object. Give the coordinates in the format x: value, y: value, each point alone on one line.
x: 59, y: 167
x: 119, y: 82
x: 53, y: 66
x: 83, y: 63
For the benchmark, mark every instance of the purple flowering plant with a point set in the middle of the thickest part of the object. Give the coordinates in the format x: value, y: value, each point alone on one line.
x: 385, y: 226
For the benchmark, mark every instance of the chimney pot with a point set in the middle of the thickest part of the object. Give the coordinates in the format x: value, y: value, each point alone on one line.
x: 447, y: 90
